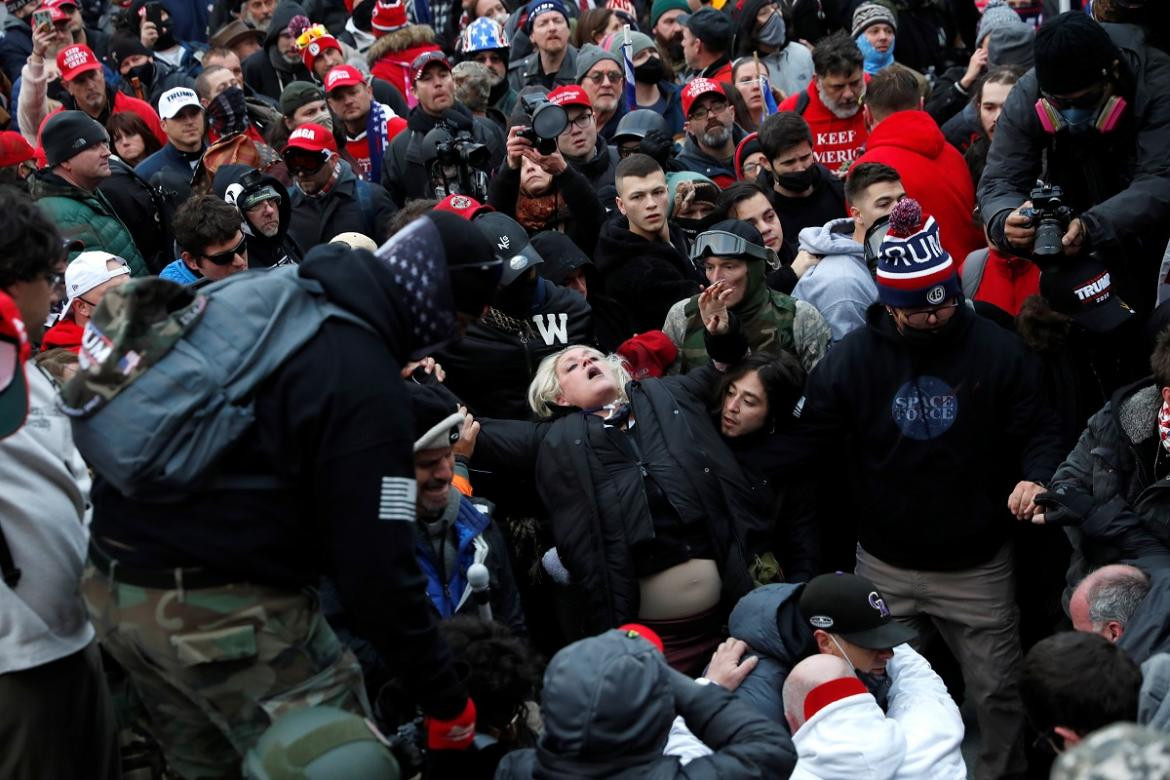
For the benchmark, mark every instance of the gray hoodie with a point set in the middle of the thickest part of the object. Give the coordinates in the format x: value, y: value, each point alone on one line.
x: 840, y: 286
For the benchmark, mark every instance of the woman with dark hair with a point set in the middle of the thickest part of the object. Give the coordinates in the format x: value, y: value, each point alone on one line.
x: 757, y: 397
x: 594, y: 25
x: 132, y: 140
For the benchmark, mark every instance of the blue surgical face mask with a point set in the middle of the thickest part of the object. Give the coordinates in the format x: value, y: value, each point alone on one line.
x: 874, y: 59
x: 1078, y: 119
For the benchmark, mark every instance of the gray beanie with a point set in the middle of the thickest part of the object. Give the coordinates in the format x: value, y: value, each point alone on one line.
x: 639, y: 42
x: 588, y: 56
x: 997, y: 13
x: 869, y: 14
x: 1012, y: 44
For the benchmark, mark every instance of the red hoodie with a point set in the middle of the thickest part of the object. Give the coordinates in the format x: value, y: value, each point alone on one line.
x: 835, y: 140
x: 64, y: 334
x: 1007, y: 281
x: 933, y: 173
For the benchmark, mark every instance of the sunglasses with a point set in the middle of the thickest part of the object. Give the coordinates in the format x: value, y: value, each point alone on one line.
x: 303, y: 164
x: 228, y: 257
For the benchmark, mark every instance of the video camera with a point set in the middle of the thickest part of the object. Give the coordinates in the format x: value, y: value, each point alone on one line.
x: 546, y: 122
x: 1051, y: 217
x: 456, y: 163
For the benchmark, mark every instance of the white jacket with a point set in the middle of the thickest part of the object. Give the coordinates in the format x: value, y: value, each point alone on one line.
x: 44, y: 491
x: 917, y: 739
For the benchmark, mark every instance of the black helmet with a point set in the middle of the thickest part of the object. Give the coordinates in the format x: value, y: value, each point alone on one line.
x: 636, y: 124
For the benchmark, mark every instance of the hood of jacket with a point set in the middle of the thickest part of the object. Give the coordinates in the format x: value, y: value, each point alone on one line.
x: 607, y: 702
x: 850, y: 737
x: 769, y: 620
x: 362, y: 285
x: 1153, y: 701
x: 1136, y: 407
x: 226, y: 185
x: 914, y: 131
x: 834, y: 238
x: 280, y: 19
x: 618, y: 243
x: 408, y: 37
x: 12, y: 24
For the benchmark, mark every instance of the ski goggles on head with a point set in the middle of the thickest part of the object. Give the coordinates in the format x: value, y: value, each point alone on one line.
x: 720, y: 243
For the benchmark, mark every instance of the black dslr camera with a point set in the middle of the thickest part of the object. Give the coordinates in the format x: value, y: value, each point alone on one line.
x: 546, y: 122
x: 461, y: 149
x: 1051, y: 217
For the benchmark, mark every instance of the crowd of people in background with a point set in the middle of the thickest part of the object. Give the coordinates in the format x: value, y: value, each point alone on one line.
x: 606, y: 388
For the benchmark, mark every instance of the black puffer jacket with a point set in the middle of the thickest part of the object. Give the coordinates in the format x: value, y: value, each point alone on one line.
x: 596, y: 494
x: 645, y: 277
x: 600, y: 167
x: 491, y: 367
x: 1118, y: 182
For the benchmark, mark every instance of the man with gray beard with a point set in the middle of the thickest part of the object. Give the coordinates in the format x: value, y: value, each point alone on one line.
x: 712, y: 134
x: 264, y: 207
x: 484, y: 41
x: 832, y: 103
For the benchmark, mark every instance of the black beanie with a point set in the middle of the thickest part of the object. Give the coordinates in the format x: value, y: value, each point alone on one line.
x: 1072, y: 52
x: 123, y: 46
x: 471, y: 262
x: 69, y: 133
x: 437, y: 419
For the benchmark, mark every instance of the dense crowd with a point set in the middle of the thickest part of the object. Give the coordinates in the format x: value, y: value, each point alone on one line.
x: 610, y: 388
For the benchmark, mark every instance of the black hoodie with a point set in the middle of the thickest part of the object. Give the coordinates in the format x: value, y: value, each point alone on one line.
x: 265, y: 70
x: 333, y: 424
x: 926, y: 436
x: 645, y: 277
x: 263, y: 252
x: 599, y: 169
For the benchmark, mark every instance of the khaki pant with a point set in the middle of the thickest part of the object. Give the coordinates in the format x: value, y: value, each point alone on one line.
x: 214, y: 667
x: 975, y: 612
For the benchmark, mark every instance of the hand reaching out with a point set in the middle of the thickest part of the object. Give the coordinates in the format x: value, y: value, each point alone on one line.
x: 713, y: 308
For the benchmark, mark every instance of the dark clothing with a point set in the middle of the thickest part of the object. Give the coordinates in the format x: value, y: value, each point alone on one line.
x: 331, y: 426
x: 585, y: 215
x: 404, y: 172
x: 600, y: 167
x: 527, y: 72
x: 1117, y: 182
x: 342, y: 210
x: 1121, y: 465
x: 263, y: 252
x: 58, y: 720
x: 722, y: 172
x: 645, y: 277
x: 169, y: 158
x: 822, y: 206
x: 15, y: 47
x: 491, y: 367
x: 1147, y: 632
x: 596, y: 483
x: 166, y: 78
x: 947, y: 426
x: 265, y: 70
x: 619, y: 734
x: 140, y: 207
x: 947, y: 98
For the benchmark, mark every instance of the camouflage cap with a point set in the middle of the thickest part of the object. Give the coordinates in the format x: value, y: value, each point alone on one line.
x: 1123, y: 751
x: 132, y: 329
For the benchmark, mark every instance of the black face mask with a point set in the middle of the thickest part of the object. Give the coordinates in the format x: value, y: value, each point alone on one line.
x: 145, y: 73
x: 675, y: 52
x: 166, y: 38
x: 228, y: 113
x: 798, y: 182
x: 693, y: 227
x: 649, y: 72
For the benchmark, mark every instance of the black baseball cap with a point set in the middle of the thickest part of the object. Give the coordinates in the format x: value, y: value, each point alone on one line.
x: 1081, y: 288
x: 852, y: 608
x: 714, y: 28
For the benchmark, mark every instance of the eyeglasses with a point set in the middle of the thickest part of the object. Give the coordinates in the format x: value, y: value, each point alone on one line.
x: 55, y: 278
x: 920, y: 317
x: 701, y: 113
x: 229, y: 257
x: 612, y: 76
x: 751, y: 170
x: 582, y: 122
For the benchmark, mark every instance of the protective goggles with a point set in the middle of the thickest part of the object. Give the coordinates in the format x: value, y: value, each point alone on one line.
x: 720, y: 243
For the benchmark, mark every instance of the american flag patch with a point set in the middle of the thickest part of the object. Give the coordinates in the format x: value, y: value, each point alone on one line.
x: 396, y: 501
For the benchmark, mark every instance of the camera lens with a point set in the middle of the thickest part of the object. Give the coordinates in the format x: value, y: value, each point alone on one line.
x: 549, y: 121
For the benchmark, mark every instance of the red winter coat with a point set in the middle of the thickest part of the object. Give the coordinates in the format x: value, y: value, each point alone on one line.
x: 933, y: 173
x: 835, y: 141
x: 390, y: 56
x: 1007, y: 281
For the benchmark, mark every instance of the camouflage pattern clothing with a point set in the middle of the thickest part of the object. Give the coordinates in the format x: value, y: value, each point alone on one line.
x: 216, y: 666
x: 1123, y: 751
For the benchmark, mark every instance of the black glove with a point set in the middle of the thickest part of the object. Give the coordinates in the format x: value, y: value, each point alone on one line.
x: 658, y: 145
x: 1071, y: 506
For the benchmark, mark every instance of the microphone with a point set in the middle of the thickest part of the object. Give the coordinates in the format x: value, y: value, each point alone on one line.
x: 479, y: 578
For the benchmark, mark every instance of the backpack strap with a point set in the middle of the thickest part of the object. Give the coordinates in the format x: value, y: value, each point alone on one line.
x: 366, y: 202
x: 8, y: 567
x: 802, y: 102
